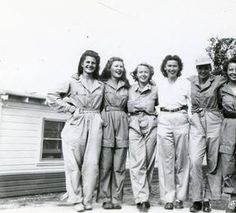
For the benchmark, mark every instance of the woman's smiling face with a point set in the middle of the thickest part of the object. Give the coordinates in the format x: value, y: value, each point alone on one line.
x: 143, y: 74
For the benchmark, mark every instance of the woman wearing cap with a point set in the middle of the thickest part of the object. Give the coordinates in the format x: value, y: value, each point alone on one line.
x: 115, y: 134
x: 142, y: 133
x: 172, y: 133
x: 81, y: 97
x: 228, y: 134
x: 204, y: 135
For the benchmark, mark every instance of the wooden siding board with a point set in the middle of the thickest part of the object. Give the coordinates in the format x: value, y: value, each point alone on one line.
x: 27, y: 184
x: 32, y: 192
x: 12, y: 183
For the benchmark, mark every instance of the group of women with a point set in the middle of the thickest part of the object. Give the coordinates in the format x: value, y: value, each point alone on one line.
x: 173, y: 122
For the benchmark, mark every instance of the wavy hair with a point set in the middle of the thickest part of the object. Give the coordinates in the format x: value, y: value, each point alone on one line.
x: 151, y: 70
x: 106, y: 73
x: 226, y: 65
x: 168, y: 58
x: 93, y: 54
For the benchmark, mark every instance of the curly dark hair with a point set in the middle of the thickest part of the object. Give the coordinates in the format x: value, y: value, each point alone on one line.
x: 168, y: 58
x: 106, y: 73
x: 226, y: 65
x: 134, y: 73
x: 93, y: 54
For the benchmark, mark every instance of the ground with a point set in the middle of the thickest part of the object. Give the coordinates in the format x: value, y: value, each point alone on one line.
x: 53, y: 203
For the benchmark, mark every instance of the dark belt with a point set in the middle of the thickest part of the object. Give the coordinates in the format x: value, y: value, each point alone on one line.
x: 185, y: 107
x: 112, y: 108
x: 228, y: 114
x: 142, y: 112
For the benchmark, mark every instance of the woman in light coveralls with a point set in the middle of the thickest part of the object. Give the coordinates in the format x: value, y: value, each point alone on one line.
x: 142, y: 134
x: 172, y: 133
x: 82, y: 135
x: 115, y: 134
x: 228, y: 134
x: 205, y: 135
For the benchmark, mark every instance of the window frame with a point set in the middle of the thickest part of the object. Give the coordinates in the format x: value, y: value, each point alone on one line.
x: 48, y: 162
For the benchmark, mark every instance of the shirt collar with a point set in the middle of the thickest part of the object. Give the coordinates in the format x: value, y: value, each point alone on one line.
x: 96, y: 84
x: 226, y: 88
x: 146, y: 88
x: 111, y: 84
x: 209, y: 81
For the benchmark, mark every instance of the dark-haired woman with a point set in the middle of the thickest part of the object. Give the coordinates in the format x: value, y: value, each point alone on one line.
x: 228, y: 134
x: 115, y: 134
x: 81, y: 97
x: 142, y: 133
x: 172, y: 133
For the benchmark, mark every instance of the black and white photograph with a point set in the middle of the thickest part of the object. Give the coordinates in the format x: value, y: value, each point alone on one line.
x: 117, y: 106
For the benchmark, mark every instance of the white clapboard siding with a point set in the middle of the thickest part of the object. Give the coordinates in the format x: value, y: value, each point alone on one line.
x: 12, y: 139
x: 21, y: 135
x: 17, y: 155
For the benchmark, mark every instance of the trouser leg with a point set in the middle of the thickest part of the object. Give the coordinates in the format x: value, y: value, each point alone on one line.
x: 197, y: 149
x: 137, y: 163
x: 228, y: 162
x: 182, y: 163
x: 118, y: 174
x: 73, y: 163
x: 213, y: 180
x: 91, y: 159
x: 105, y: 174
x: 151, y: 142
x: 166, y: 163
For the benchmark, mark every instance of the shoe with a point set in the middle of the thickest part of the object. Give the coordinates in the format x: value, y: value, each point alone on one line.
x: 88, y: 207
x: 206, y: 206
x: 144, y: 207
x: 116, y: 206
x: 107, y: 205
x: 146, y: 204
x: 231, y: 208
x: 79, y: 207
x: 196, y: 207
x: 169, y: 206
x: 179, y: 204
x: 139, y: 205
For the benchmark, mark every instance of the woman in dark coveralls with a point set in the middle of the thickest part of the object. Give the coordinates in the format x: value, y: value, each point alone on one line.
x: 228, y: 134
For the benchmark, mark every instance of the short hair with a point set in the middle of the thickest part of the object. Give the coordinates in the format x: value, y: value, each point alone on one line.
x: 226, y: 64
x: 151, y: 70
x: 106, y: 73
x: 93, y: 54
x: 170, y: 58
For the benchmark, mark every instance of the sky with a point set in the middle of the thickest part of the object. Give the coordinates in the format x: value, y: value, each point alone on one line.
x: 41, y: 41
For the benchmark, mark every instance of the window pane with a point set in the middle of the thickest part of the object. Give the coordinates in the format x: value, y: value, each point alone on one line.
x: 52, y: 145
x: 52, y: 129
x: 52, y: 149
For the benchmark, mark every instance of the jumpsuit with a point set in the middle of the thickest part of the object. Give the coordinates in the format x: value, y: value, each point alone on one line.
x: 142, y: 139
x: 204, y: 137
x: 228, y: 140
x: 172, y: 139
x: 81, y: 136
x: 114, y: 143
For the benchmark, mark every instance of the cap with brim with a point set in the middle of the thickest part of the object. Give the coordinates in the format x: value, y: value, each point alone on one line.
x: 203, y: 61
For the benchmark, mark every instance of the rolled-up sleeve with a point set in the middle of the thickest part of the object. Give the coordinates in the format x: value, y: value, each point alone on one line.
x: 59, y: 100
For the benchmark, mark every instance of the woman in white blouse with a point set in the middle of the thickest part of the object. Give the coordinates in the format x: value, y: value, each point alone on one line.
x: 172, y: 133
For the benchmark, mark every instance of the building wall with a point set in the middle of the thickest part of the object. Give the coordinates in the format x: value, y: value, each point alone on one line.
x: 21, y: 132
x: 22, y: 172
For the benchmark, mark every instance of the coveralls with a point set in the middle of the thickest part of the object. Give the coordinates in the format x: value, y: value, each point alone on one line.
x: 228, y: 140
x: 114, y: 143
x: 142, y: 139
x: 204, y: 137
x: 81, y: 136
x: 172, y: 139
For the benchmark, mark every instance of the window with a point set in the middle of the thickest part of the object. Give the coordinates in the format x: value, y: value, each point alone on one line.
x: 52, y: 146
